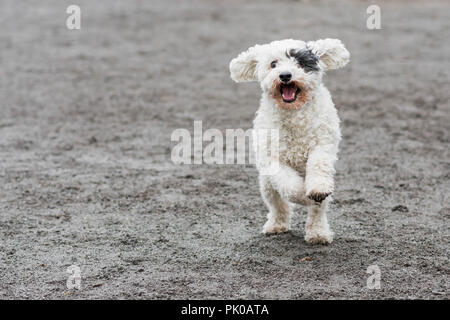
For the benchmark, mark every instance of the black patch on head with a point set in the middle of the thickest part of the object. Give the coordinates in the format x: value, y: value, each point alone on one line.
x: 306, y: 59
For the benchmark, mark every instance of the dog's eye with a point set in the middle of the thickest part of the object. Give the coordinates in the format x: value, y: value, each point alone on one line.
x: 273, y: 64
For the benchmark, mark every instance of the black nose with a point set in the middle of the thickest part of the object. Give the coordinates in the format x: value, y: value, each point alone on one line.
x: 285, y: 76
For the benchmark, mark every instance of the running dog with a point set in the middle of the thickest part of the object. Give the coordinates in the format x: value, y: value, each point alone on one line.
x: 297, y: 105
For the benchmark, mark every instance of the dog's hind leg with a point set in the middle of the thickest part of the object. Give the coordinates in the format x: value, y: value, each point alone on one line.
x: 317, y: 227
x: 279, y: 217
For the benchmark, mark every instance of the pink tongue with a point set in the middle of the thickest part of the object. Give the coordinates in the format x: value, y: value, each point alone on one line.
x: 288, y: 92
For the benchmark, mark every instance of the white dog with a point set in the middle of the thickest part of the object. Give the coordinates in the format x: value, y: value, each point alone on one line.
x: 296, y: 104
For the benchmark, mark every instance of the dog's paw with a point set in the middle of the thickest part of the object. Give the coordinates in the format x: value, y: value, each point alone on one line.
x: 318, y: 196
x: 320, y: 236
x: 274, y: 228
x: 300, y: 198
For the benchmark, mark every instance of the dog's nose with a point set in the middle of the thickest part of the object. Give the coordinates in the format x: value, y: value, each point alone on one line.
x: 285, y: 76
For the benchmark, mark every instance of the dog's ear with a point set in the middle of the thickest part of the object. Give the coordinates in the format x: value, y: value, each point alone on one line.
x: 331, y: 52
x: 243, y: 67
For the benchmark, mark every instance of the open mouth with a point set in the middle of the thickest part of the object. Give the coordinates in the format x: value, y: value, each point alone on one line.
x: 289, y: 92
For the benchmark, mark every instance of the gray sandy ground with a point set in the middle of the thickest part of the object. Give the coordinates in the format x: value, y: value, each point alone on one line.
x: 87, y: 180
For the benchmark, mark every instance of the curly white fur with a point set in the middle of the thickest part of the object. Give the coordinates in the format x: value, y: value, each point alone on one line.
x: 309, y: 132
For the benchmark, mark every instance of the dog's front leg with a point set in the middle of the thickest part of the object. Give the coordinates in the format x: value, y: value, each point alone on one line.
x: 279, y: 216
x: 319, y: 180
x: 290, y: 185
x: 319, y: 184
x: 281, y: 186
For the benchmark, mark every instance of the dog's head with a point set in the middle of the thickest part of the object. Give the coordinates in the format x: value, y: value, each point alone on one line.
x: 289, y: 70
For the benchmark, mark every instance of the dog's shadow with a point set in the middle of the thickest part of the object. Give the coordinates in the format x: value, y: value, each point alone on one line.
x: 290, y: 243
x: 292, y: 248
